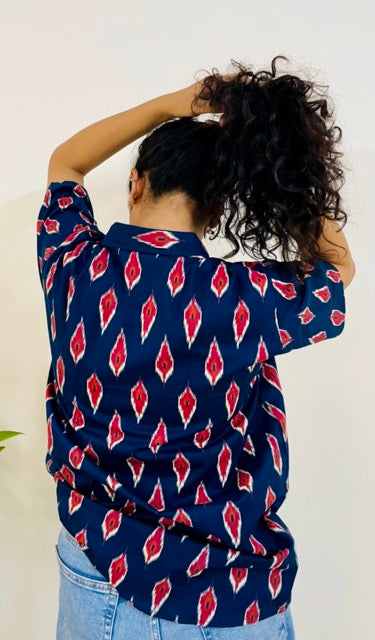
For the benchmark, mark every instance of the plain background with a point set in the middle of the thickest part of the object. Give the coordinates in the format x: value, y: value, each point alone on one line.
x: 65, y: 65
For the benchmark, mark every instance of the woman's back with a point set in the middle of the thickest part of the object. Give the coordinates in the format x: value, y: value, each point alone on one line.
x: 166, y: 421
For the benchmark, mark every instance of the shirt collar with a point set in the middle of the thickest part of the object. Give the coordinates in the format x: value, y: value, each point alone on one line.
x: 149, y: 240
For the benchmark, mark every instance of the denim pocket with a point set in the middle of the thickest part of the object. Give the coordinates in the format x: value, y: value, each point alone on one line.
x: 87, y: 601
x: 276, y: 627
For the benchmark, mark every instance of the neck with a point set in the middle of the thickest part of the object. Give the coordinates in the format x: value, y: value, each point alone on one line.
x: 164, y: 217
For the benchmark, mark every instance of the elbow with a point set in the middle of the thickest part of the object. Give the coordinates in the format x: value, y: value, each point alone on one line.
x: 348, y: 274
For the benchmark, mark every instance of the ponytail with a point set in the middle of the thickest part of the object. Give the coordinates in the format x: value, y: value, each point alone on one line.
x: 270, y: 173
x: 275, y: 158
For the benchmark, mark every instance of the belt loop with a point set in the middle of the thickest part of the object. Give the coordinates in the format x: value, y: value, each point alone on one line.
x: 206, y: 634
x: 155, y: 628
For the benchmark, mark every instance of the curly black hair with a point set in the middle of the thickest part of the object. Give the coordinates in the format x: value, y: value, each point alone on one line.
x: 271, y: 172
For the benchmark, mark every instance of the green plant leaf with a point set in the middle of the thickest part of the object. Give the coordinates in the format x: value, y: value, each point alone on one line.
x: 8, y: 434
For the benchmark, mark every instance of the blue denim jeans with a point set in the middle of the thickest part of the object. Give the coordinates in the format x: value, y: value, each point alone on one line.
x: 90, y: 608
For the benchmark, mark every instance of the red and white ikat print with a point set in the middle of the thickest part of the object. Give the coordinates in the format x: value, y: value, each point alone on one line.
x: 166, y: 425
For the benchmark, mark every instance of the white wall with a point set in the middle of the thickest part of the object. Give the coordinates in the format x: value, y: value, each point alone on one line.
x: 67, y: 64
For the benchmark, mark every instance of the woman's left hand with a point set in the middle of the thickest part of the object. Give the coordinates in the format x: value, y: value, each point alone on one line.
x: 180, y: 102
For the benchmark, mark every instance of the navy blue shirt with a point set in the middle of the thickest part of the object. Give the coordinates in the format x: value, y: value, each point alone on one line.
x: 166, y: 425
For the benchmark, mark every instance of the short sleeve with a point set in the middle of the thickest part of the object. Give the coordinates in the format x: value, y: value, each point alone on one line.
x: 66, y: 228
x: 290, y: 312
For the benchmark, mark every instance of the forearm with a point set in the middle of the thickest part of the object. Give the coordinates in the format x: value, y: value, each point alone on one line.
x: 99, y: 141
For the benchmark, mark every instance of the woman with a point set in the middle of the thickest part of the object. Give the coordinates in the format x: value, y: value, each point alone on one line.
x: 165, y: 417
